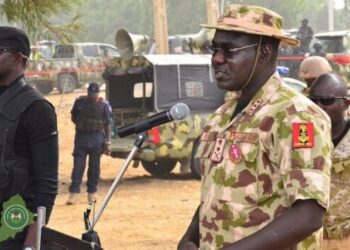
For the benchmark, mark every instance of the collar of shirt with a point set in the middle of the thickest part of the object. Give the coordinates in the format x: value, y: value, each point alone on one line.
x: 259, y: 99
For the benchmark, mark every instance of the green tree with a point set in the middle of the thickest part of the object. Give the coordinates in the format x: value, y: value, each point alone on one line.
x: 102, y: 18
x: 34, y: 17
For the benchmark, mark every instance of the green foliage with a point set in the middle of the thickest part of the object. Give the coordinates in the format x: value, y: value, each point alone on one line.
x: 342, y: 19
x: 292, y: 11
x: 33, y: 16
x: 102, y: 18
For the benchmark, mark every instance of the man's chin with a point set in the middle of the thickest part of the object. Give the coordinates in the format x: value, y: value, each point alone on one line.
x: 226, y: 86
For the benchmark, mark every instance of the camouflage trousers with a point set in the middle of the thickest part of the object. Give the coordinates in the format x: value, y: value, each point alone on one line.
x: 336, y: 244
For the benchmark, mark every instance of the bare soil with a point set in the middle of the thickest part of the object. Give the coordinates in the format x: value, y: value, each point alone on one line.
x: 144, y: 212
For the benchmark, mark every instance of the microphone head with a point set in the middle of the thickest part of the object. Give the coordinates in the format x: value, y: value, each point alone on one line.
x: 179, y: 111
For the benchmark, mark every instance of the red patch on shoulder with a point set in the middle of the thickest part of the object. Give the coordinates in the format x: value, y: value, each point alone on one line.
x: 303, y: 135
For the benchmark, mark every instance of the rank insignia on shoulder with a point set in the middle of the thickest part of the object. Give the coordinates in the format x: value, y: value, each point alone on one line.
x: 303, y: 135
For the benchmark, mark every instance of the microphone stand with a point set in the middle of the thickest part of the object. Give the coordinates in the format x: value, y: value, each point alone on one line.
x: 137, y: 145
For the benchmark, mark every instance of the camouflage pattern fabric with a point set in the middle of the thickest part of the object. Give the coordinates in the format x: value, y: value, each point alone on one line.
x: 243, y: 191
x: 177, y: 137
x: 119, y: 66
x: 200, y: 42
x: 255, y: 20
x: 337, y: 219
x: 49, y: 69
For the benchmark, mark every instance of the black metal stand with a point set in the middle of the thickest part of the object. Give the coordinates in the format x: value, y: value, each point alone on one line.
x: 92, y: 235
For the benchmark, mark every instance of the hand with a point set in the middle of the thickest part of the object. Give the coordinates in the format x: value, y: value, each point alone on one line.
x: 106, y: 148
x: 188, y: 245
x: 30, y: 239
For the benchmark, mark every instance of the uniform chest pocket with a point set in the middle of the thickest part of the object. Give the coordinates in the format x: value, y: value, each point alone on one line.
x: 242, y: 153
x: 238, y: 173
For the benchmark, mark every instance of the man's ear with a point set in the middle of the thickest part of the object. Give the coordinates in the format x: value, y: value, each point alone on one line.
x: 265, y: 53
x: 18, y: 58
x: 346, y: 103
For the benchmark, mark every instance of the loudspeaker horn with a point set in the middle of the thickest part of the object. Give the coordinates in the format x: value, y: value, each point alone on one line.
x: 129, y: 44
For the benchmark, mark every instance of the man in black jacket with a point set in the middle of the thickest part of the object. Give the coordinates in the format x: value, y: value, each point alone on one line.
x: 28, y: 136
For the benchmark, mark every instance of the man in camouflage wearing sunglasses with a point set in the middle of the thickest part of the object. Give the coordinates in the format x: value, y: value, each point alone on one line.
x: 266, y: 153
x: 329, y: 91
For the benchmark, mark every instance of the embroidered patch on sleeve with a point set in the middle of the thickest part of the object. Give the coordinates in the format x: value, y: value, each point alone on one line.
x: 303, y: 135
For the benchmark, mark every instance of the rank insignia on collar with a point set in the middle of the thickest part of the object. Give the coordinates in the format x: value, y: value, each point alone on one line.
x: 303, y: 135
x: 254, y: 106
x: 216, y: 155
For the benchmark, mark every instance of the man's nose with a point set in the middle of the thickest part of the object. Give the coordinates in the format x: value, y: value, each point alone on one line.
x: 218, y: 58
x: 323, y: 107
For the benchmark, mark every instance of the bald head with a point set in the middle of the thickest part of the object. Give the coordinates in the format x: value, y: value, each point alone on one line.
x: 330, y: 81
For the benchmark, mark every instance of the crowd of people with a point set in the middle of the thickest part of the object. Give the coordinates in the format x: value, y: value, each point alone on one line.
x: 275, y: 163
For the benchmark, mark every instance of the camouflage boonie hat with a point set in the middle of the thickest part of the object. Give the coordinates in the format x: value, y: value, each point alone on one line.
x: 254, y: 20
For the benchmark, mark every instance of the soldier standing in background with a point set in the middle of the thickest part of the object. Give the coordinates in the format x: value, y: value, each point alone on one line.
x: 317, y: 50
x: 92, y: 118
x: 305, y: 34
x: 266, y: 154
x: 29, y: 139
x: 330, y: 93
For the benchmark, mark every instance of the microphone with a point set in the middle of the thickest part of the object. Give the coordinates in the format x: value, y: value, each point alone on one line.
x: 177, y: 112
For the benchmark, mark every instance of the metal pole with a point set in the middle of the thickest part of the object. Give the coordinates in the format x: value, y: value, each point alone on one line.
x: 41, y: 221
x: 330, y: 15
x: 212, y: 11
x: 222, y: 7
x: 160, y: 26
x: 137, y: 146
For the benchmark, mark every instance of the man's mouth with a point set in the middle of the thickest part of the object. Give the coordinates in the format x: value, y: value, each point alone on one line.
x: 220, y: 75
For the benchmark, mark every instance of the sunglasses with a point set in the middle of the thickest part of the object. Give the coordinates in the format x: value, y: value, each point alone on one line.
x: 326, y: 100
x: 227, y: 51
x: 13, y: 52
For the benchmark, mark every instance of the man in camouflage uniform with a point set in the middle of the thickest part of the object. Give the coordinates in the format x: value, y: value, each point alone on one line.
x: 266, y: 154
x: 337, y: 220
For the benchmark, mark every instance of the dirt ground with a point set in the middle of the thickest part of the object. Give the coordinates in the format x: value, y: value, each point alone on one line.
x: 143, y: 213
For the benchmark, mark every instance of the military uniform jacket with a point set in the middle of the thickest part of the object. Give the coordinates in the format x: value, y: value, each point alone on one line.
x: 337, y: 219
x: 255, y: 166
